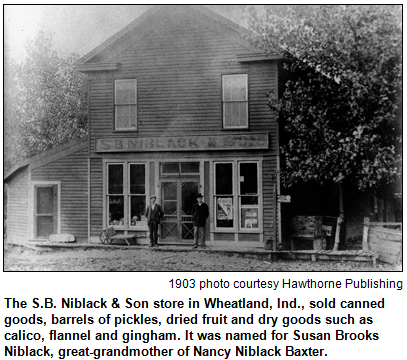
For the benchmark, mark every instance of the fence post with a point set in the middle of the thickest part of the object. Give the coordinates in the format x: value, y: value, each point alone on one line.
x: 366, y: 221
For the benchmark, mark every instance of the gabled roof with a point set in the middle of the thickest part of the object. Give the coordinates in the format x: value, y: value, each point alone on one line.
x: 48, y: 156
x: 149, y: 21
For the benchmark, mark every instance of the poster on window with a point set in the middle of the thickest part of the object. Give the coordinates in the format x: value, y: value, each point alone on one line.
x: 225, y: 209
x: 250, y: 218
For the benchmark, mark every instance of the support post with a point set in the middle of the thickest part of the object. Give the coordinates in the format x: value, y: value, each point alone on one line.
x: 338, y: 232
x: 366, y: 221
x: 275, y: 219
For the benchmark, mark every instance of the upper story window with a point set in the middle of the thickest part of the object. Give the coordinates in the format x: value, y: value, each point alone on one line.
x: 125, y: 101
x: 235, y: 101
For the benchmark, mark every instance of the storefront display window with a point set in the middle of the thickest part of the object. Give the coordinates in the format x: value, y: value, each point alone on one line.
x: 115, y: 194
x: 137, y: 195
x: 224, y: 195
x: 249, y: 195
x: 126, y: 195
x: 243, y: 195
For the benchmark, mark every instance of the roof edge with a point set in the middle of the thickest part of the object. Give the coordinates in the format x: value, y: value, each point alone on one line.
x: 92, y: 67
x: 118, y: 34
x: 214, y: 16
x: 75, y: 145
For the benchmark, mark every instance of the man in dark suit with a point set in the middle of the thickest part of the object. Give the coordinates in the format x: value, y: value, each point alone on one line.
x: 154, y: 214
x: 200, y: 212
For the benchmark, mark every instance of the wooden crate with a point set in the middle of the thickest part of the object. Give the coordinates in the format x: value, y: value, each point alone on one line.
x: 308, y: 243
x: 303, y: 226
x: 387, y: 243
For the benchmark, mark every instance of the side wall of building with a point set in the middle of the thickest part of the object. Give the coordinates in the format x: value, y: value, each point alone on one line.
x: 17, y: 209
x: 72, y: 173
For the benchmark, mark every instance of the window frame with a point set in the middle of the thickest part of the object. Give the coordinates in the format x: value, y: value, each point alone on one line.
x: 179, y: 173
x: 224, y: 126
x: 129, y: 195
x: 216, y: 196
x: 237, y: 207
x: 126, y: 193
x: 240, y: 196
x: 33, y: 205
x: 131, y: 128
x: 107, y: 195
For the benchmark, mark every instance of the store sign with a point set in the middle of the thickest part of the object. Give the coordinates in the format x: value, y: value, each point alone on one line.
x: 253, y: 141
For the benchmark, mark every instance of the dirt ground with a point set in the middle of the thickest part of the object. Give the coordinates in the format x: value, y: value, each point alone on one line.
x: 17, y: 258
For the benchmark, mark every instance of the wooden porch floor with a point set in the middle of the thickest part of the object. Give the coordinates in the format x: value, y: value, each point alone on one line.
x: 310, y: 255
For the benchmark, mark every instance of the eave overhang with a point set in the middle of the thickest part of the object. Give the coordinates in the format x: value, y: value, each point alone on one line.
x: 257, y: 57
x: 93, y: 67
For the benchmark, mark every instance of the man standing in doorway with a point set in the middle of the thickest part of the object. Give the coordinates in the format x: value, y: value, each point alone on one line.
x: 154, y: 214
x: 200, y: 213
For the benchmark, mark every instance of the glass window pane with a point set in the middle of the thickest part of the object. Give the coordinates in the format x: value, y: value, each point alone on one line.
x: 115, y: 179
x: 249, y: 200
x: 116, y: 210
x: 170, y: 191
x: 170, y: 207
x: 235, y: 88
x: 138, y: 210
x: 189, y: 192
x: 248, y: 178
x: 126, y: 91
x: 45, y: 226
x: 224, y: 212
x: 235, y: 113
x: 190, y: 168
x: 227, y: 114
x: 224, y: 179
x: 137, y: 179
x: 242, y: 88
x: 243, y: 114
x: 250, y: 218
x: 133, y: 116
x: 170, y: 168
x: 122, y: 117
x: 45, y: 200
x: 132, y: 95
x: 227, y: 88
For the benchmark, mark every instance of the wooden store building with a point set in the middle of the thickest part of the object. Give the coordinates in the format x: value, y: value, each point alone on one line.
x: 177, y: 107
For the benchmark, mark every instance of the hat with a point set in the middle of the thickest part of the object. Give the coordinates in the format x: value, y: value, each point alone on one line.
x: 153, y: 196
x: 199, y: 196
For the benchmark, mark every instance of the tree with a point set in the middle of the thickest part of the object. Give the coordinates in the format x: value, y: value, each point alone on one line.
x: 45, y: 102
x: 341, y: 109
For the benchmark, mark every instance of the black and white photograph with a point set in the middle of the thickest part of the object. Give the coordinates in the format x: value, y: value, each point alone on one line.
x: 202, y: 138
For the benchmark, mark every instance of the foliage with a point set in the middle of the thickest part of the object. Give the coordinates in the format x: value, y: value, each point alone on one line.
x: 341, y: 109
x: 45, y: 102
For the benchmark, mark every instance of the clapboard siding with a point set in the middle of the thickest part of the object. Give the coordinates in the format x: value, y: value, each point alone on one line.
x: 96, y: 197
x: 17, y: 209
x: 72, y: 171
x: 269, y: 186
x: 178, y: 67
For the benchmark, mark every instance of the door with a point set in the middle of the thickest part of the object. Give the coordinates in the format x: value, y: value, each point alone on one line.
x: 45, y: 211
x: 178, y: 197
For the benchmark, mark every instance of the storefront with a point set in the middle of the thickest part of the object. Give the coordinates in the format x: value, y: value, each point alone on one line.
x: 229, y: 175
